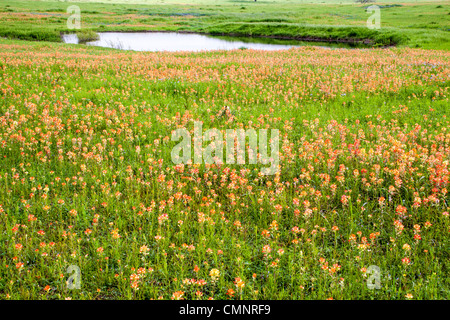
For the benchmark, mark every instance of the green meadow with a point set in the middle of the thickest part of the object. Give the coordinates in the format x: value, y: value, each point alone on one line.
x: 93, y: 205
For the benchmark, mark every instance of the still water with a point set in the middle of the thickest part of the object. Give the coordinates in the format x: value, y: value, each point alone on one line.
x: 172, y: 41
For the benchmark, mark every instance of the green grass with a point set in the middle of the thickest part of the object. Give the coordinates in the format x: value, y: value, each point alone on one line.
x: 422, y: 24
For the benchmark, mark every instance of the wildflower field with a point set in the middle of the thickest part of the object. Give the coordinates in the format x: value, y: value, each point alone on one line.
x: 420, y: 24
x: 87, y: 178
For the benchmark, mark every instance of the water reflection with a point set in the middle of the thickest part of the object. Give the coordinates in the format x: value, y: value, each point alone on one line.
x: 172, y: 41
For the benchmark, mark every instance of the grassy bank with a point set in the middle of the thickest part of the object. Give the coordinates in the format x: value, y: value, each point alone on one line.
x: 413, y: 24
x: 309, y: 33
x: 87, y: 35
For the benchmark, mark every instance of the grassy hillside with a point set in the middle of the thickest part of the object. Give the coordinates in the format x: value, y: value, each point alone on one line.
x: 88, y: 180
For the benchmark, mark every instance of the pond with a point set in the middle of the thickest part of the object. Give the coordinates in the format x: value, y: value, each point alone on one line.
x: 173, y: 41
